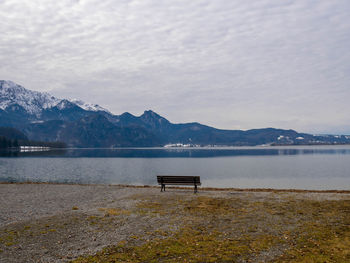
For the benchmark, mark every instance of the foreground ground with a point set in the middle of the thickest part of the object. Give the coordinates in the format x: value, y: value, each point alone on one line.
x: 63, y: 223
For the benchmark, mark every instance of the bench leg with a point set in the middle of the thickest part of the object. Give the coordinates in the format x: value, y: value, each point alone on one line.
x: 162, y: 188
x: 195, y: 189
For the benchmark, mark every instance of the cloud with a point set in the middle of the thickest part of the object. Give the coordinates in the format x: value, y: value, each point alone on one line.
x: 231, y: 64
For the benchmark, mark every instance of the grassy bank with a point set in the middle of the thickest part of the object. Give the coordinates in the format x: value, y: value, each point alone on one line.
x: 281, y: 227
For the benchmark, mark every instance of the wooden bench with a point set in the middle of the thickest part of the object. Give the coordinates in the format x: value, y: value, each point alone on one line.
x: 178, y: 180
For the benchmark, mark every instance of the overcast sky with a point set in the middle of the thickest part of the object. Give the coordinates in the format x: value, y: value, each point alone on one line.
x: 233, y: 64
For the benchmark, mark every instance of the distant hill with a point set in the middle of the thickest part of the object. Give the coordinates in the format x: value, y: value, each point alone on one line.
x: 12, y: 134
x: 13, y: 138
x: 42, y: 117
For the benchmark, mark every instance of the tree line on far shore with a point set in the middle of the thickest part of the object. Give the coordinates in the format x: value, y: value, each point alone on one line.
x: 6, y: 143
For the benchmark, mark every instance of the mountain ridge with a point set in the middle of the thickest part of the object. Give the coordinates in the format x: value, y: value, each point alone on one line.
x: 43, y: 117
x: 34, y: 101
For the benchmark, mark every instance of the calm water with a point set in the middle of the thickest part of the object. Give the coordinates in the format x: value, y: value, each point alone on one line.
x: 306, y: 167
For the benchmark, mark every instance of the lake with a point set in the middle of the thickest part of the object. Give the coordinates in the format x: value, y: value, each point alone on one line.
x: 288, y: 167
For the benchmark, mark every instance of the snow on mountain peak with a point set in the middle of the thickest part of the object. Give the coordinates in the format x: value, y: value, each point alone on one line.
x: 88, y: 106
x: 33, y: 101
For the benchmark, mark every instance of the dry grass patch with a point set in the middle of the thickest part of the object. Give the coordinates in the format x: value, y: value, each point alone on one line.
x: 324, y: 237
x: 186, y: 245
x: 114, y: 211
x: 276, y: 228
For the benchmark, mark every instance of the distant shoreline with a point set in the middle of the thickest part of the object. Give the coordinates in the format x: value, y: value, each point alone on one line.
x: 216, y: 147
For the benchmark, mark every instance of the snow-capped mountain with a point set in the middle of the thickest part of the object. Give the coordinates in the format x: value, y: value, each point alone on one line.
x: 31, y: 101
x: 42, y: 117
x: 34, y: 102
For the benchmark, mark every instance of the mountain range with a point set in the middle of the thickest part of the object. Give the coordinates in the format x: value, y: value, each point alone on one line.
x: 42, y: 117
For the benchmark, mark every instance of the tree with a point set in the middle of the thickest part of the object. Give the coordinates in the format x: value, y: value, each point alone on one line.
x: 15, y: 143
x: 2, y: 142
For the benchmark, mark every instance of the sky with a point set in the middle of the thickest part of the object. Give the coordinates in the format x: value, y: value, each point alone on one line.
x: 231, y: 64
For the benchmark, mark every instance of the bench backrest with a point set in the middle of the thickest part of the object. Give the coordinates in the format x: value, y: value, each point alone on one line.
x: 178, y: 180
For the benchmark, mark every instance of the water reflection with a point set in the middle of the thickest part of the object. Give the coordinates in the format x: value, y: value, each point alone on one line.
x: 47, y: 153
x: 180, y: 152
x: 325, y: 167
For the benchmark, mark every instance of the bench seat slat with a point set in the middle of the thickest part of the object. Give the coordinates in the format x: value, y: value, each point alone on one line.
x: 181, y: 179
x: 181, y: 183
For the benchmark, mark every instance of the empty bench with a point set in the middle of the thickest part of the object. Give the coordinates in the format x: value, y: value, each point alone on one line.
x: 178, y: 180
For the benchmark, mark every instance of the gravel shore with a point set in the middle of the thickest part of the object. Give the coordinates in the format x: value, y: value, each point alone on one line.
x: 54, y: 222
x: 58, y: 222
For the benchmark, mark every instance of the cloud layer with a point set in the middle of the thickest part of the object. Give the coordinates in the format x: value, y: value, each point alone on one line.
x: 230, y: 64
